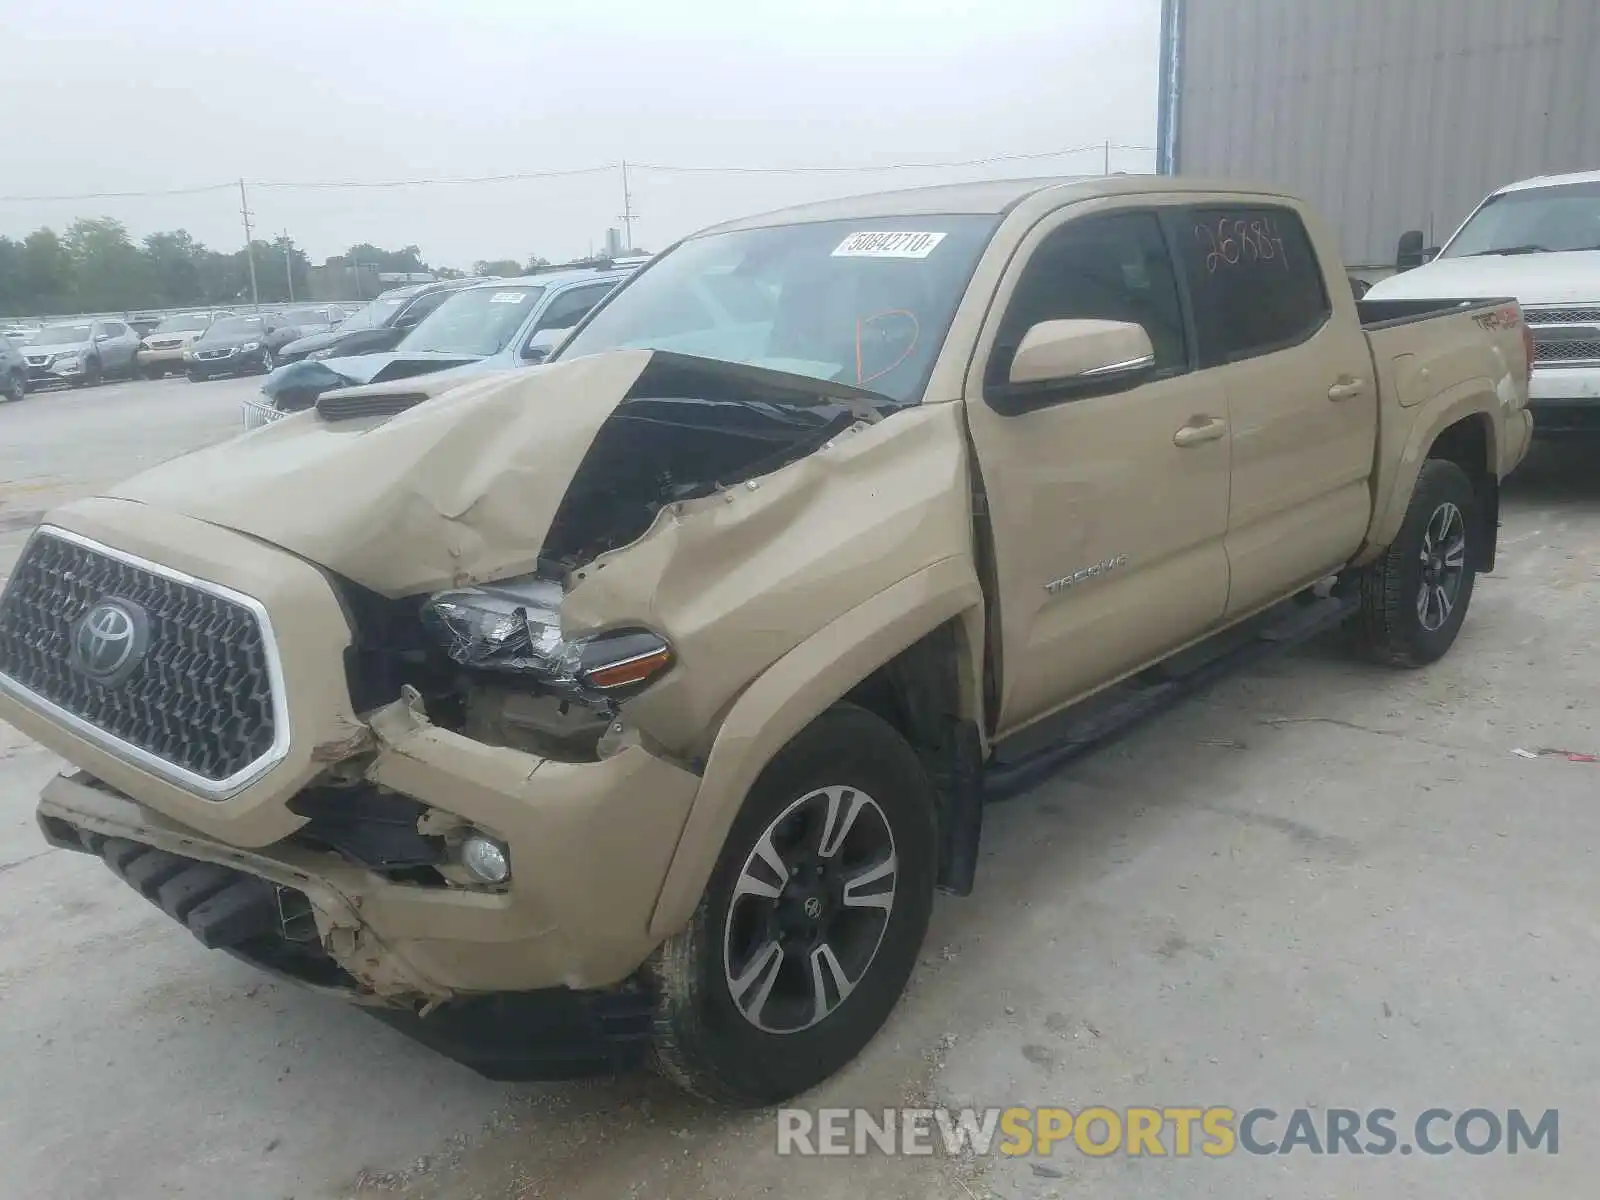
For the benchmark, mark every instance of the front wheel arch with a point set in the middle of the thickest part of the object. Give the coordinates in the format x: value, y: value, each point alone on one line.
x: 797, y: 689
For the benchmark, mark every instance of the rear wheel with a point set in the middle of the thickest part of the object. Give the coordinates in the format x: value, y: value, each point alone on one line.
x: 1414, y: 598
x: 811, y: 922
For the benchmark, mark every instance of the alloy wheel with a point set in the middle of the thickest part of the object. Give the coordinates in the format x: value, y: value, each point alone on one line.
x: 809, y: 909
x: 1444, y: 565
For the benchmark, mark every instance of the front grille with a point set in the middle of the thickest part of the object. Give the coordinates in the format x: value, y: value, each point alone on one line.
x: 199, y: 700
x: 1564, y: 351
x: 209, y: 355
x: 165, y: 343
x: 1562, y: 316
x: 347, y: 408
x: 38, y: 360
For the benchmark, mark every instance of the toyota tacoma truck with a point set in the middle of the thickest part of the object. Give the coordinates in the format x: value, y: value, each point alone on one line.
x: 636, y: 705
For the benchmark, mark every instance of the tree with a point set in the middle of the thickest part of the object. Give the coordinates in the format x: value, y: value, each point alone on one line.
x: 108, y: 269
x: 497, y: 266
x: 407, y: 258
x: 13, y: 290
x: 47, y: 273
x: 535, y: 262
x: 175, y: 267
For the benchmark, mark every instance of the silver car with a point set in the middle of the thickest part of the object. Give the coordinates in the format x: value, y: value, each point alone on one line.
x: 80, y: 353
x: 13, y: 371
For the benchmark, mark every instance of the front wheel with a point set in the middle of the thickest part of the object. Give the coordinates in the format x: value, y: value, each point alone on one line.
x: 1414, y: 598
x: 16, y: 386
x: 811, y: 922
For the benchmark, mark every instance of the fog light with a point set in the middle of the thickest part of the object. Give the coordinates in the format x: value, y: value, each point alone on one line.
x: 486, y: 859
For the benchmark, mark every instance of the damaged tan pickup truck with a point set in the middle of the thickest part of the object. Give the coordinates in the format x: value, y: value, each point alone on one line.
x: 638, y: 704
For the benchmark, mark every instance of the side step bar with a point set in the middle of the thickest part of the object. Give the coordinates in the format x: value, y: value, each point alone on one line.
x: 1029, y: 757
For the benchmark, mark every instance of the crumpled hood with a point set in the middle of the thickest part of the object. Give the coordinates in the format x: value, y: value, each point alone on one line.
x: 457, y: 490
x: 1559, y: 277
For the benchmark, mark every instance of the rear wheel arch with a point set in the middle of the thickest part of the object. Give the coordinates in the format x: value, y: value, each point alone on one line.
x: 1471, y: 444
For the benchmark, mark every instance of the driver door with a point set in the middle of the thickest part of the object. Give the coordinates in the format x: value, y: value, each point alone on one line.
x: 1107, y: 524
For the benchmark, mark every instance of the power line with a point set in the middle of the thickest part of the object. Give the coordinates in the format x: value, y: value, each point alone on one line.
x: 519, y: 176
x: 189, y: 191
x: 992, y: 160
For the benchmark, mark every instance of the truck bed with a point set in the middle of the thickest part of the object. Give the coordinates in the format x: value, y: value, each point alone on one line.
x: 1386, y: 314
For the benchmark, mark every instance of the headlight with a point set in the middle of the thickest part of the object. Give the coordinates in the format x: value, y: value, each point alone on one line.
x: 249, y: 347
x: 67, y: 362
x: 515, y: 627
x: 188, y: 356
x: 143, y: 345
x: 325, y: 352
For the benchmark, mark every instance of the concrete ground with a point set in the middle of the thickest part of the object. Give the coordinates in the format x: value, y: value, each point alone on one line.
x: 1320, y: 885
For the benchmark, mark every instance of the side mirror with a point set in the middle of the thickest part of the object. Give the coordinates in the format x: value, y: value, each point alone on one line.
x: 1059, y: 360
x: 1431, y: 253
x: 543, y: 344
x: 102, y: 337
x: 1409, y: 251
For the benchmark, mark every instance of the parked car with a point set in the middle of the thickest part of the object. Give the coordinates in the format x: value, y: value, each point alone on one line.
x: 1537, y: 240
x: 639, y: 702
x: 237, y: 346
x: 80, y: 353
x: 378, y: 325
x: 490, y: 326
x: 161, y: 350
x: 309, y: 321
x: 13, y: 371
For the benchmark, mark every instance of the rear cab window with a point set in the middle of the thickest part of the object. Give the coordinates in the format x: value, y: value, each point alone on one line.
x: 1254, y: 281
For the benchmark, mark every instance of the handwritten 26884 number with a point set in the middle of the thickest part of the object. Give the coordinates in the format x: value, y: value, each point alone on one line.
x: 1236, y: 241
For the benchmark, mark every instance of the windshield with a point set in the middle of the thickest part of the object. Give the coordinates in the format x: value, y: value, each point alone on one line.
x: 234, y: 327
x: 183, y: 324
x: 306, y: 316
x: 374, y: 314
x: 860, y: 302
x: 60, y: 335
x: 1532, y: 221
x: 478, y: 321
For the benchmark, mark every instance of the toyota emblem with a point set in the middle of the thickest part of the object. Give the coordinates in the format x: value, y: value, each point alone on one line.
x: 110, y: 641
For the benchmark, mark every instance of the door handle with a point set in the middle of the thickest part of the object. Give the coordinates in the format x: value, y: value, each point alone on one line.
x: 1208, y: 430
x: 1346, y: 388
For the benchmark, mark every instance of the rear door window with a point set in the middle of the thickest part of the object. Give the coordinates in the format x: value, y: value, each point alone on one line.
x: 1253, y: 279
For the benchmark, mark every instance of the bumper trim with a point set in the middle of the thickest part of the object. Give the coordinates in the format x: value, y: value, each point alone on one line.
x: 210, y: 789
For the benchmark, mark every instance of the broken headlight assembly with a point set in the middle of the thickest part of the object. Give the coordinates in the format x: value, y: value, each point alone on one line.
x: 514, y: 628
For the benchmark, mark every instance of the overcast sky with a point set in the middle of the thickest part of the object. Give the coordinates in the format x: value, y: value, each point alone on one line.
x: 113, y: 95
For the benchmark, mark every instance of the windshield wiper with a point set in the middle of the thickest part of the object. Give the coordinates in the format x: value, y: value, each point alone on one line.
x: 1528, y: 249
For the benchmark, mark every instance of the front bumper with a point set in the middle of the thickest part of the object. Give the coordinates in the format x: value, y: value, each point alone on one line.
x: 161, y: 358
x: 1565, y: 401
x: 54, y: 376
x: 590, y: 843
x: 232, y: 364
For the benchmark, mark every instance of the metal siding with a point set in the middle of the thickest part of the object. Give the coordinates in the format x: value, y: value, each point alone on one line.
x: 1387, y: 115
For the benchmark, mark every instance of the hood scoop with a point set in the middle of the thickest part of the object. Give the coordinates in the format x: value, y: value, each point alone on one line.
x: 348, y: 406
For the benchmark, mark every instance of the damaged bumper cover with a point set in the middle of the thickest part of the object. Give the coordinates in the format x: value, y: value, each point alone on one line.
x: 590, y: 843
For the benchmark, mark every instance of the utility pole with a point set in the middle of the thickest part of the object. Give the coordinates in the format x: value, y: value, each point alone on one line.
x: 627, y: 208
x: 1107, y: 171
x: 288, y: 265
x: 249, y: 250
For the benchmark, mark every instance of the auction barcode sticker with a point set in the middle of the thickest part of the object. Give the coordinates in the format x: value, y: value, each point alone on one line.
x: 508, y: 297
x: 895, y: 244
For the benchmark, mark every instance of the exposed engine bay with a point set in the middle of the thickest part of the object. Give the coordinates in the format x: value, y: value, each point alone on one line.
x: 490, y: 659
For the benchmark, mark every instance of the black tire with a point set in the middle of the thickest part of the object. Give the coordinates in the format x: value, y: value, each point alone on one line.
x: 197, y: 377
x: 702, y: 1039
x: 153, y: 373
x: 1390, y: 626
x: 91, y: 375
x: 16, y: 386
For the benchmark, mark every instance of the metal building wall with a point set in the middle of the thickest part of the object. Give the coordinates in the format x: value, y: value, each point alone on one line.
x: 1386, y: 114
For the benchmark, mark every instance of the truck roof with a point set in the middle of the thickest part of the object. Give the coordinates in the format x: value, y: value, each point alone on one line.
x: 1544, y: 181
x: 994, y: 196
